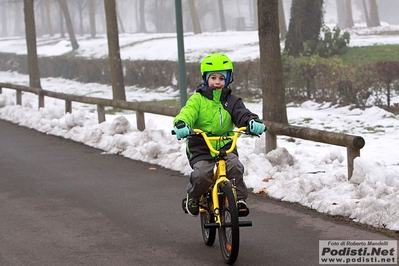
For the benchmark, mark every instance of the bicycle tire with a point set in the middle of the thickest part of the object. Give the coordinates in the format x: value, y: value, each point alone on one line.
x: 206, y: 216
x: 209, y: 235
x: 229, y: 231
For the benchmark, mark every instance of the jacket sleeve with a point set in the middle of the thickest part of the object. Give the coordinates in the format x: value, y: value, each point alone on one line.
x: 240, y: 114
x: 189, y: 112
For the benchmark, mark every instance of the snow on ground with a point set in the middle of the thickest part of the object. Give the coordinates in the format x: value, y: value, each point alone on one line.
x: 312, y: 174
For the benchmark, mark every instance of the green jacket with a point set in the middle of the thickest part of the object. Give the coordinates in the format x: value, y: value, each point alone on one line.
x: 213, y: 111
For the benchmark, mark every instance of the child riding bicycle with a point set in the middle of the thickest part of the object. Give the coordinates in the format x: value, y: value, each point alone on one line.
x: 213, y: 108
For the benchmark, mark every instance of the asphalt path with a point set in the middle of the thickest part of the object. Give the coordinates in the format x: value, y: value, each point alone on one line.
x: 64, y: 203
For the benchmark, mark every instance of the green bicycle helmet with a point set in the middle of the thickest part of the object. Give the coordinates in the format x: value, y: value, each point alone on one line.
x: 217, y: 62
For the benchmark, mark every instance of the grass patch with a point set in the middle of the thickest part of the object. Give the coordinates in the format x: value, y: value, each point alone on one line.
x: 371, y: 54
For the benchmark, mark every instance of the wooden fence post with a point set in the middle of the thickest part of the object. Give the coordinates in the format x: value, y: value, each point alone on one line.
x: 140, y: 120
x: 271, y: 142
x: 19, y: 97
x: 100, y: 113
x: 68, y: 106
x: 41, y: 100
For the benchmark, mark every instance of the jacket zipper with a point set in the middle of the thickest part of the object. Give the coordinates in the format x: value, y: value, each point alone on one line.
x: 221, y: 116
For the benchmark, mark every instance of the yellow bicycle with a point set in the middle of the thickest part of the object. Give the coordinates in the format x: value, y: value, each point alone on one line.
x: 218, y: 206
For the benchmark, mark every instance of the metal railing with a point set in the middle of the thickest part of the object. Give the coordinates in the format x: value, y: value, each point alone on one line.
x: 352, y: 143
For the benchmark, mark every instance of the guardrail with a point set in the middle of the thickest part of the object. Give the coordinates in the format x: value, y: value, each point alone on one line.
x: 352, y: 143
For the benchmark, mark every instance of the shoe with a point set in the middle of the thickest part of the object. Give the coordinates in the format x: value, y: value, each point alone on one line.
x: 184, y: 204
x: 192, y: 206
x: 242, y: 207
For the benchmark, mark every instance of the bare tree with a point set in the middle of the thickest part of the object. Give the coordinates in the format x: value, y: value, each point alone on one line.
x: 18, y: 23
x: 115, y: 62
x: 30, y: 32
x: 366, y: 13
x: 194, y: 17
x: 255, y: 12
x: 271, y: 67
x: 142, y: 26
x: 348, y: 14
x: 68, y: 21
x: 341, y: 13
x: 281, y: 19
x: 345, y: 15
x: 92, y: 18
x: 48, y: 18
x: 221, y: 16
x: 80, y: 6
x: 62, y: 30
x: 374, y: 18
x: 120, y: 21
x: 4, y: 20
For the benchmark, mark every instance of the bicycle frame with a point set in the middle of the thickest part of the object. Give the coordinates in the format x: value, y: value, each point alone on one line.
x: 220, y: 175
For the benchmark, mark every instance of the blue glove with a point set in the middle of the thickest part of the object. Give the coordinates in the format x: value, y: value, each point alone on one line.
x: 181, y: 129
x: 256, y: 127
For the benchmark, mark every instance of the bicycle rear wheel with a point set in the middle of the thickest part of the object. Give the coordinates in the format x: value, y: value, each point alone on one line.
x: 229, y: 231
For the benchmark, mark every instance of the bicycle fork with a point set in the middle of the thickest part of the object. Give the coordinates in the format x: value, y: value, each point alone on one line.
x: 220, y: 177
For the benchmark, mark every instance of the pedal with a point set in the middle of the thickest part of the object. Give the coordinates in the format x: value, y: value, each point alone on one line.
x: 243, y: 209
x: 243, y: 212
x: 183, y: 205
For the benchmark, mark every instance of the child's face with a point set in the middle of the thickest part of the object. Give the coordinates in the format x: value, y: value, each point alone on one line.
x: 216, y: 81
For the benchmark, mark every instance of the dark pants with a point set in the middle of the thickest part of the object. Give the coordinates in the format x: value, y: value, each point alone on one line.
x: 202, y: 175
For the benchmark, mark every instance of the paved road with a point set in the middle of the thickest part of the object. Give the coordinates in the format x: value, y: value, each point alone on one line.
x: 64, y: 203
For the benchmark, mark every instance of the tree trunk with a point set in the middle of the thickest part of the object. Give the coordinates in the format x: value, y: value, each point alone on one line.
x: 366, y: 14
x: 80, y: 11
x: 271, y: 67
x: 68, y: 22
x: 221, y: 16
x: 30, y: 32
x: 341, y: 13
x: 4, y: 20
x: 256, y: 21
x: 348, y: 14
x: 137, y: 8
x: 18, y: 12
x: 142, y: 27
x: 374, y: 18
x: 48, y: 17
x: 251, y: 10
x: 281, y: 19
x: 115, y: 62
x: 119, y: 19
x: 194, y: 17
x: 92, y: 18
x: 62, y: 31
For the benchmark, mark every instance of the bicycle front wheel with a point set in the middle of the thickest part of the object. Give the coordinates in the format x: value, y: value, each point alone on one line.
x: 229, y: 231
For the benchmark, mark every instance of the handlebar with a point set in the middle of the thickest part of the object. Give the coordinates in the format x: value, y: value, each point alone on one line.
x: 208, y: 139
x: 233, y: 138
